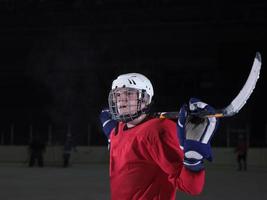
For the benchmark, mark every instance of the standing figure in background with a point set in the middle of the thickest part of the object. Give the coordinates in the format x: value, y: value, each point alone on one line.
x: 241, y: 151
x: 36, y: 149
x: 67, y: 150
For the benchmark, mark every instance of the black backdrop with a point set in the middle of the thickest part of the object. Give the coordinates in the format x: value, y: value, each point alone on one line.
x: 58, y: 60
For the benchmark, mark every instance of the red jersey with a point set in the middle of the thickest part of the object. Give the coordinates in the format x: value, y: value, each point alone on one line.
x: 146, y: 163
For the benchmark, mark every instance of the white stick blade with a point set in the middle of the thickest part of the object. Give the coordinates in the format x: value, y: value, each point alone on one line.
x: 247, y: 89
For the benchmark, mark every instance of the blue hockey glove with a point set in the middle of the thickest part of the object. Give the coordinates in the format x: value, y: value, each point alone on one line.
x: 107, y: 122
x: 195, y: 133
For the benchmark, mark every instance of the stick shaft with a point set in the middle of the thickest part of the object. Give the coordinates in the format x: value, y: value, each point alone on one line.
x: 175, y: 115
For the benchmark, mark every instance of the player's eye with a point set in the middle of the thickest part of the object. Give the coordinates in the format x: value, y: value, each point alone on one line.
x: 117, y: 94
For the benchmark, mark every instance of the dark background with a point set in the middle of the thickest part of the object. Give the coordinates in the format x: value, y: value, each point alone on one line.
x: 58, y: 60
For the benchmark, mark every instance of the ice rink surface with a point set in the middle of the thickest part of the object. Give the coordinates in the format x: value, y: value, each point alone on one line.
x: 90, y: 182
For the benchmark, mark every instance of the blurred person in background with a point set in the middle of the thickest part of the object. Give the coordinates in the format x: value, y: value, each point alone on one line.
x: 67, y: 150
x: 37, y: 148
x: 241, y: 153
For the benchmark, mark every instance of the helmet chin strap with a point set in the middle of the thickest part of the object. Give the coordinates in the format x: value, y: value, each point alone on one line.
x: 136, y: 121
x: 131, y: 117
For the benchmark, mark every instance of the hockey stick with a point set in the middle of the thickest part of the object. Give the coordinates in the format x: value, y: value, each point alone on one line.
x: 238, y: 102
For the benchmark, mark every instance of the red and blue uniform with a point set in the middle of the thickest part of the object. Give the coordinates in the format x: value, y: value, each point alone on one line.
x: 146, y: 163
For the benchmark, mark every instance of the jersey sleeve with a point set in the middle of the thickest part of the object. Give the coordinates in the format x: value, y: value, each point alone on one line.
x: 163, y: 145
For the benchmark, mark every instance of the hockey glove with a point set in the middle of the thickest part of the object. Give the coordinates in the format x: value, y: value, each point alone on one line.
x: 195, y: 133
x: 107, y: 122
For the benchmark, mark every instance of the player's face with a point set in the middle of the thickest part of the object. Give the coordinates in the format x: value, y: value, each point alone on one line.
x: 126, y: 100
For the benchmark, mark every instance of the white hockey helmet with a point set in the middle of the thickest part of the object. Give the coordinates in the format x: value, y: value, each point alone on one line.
x: 132, y: 81
x: 135, y: 81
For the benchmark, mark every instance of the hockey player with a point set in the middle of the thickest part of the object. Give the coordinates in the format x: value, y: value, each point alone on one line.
x: 147, y: 159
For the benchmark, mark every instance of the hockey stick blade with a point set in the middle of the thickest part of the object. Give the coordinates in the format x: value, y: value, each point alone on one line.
x: 241, y: 99
x: 237, y: 103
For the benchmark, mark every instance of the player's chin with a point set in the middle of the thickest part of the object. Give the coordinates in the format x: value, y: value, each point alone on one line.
x: 126, y: 112
x: 123, y: 110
